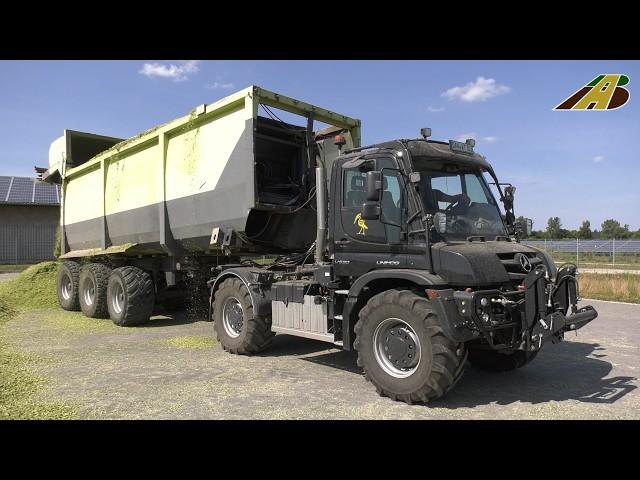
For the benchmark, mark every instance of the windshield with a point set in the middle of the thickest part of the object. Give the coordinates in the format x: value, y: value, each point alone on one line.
x: 460, y: 200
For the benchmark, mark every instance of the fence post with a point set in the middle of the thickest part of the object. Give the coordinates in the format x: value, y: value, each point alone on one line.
x: 577, y: 253
x: 614, y: 251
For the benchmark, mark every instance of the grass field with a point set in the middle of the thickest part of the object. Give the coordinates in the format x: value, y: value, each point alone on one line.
x: 621, y: 287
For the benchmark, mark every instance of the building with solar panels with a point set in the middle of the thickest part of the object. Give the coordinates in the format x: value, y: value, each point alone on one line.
x: 29, y: 216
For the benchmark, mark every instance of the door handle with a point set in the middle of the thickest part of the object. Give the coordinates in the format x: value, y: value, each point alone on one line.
x: 344, y: 241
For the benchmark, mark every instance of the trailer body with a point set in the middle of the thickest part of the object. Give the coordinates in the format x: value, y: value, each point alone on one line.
x: 166, y: 189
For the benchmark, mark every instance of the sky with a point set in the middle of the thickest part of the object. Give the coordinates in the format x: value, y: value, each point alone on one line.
x: 576, y: 165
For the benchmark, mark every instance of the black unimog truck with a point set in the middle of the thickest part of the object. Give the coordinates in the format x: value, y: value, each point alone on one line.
x: 417, y: 270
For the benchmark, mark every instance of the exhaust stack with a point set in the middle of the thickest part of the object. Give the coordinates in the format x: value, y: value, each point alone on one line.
x: 321, y: 207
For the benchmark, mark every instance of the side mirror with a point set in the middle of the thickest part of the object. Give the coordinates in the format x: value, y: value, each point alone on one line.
x: 440, y: 222
x: 371, y: 210
x: 525, y: 226
x: 508, y: 197
x: 374, y: 186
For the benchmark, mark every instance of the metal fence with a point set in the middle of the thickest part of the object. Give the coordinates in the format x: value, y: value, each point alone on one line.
x: 21, y: 243
x: 613, y: 251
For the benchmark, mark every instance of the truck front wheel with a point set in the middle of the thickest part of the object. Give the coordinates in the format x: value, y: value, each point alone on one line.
x: 237, y: 328
x: 67, y: 282
x: 493, y: 361
x: 403, y: 350
x: 130, y: 296
x: 94, y: 279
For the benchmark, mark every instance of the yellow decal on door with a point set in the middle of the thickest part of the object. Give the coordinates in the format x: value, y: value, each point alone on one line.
x: 361, y: 223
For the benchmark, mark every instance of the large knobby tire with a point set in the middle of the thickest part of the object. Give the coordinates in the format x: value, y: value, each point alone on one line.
x: 92, y: 290
x: 493, y: 361
x: 130, y: 296
x: 237, y: 328
x: 67, y: 282
x: 409, y: 321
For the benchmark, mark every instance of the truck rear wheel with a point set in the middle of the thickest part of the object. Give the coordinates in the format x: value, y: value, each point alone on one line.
x: 403, y: 350
x: 493, y: 361
x: 130, y: 296
x: 237, y: 328
x: 92, y: 289
x: 67, y: 282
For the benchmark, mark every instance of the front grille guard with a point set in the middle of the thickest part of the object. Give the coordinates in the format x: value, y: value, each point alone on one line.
x: 536, y: 312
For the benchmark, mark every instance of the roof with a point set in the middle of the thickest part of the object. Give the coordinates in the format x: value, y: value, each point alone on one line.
x: 428, y: 148
x: 28, y: 191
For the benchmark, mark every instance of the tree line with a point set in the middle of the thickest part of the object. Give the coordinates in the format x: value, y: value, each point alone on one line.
x: 610, y: 228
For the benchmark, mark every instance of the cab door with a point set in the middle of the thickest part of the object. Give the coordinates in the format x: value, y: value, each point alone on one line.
x: 362, y: 245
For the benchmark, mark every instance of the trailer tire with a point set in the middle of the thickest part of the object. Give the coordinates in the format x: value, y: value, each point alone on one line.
x: 130, y: 296
x: 92, y: 290
x: 238, y: 330
x: 440, y: 362
x: 67, y: 281
x: 492, y: 361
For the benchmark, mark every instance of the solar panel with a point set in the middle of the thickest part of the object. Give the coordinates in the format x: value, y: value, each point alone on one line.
x: 21, y: 190
x: 25, y: 190
x: 46, y: 193
x: 4, y: 187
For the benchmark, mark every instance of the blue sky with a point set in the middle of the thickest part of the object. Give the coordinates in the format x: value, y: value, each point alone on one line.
x: 575, y: 165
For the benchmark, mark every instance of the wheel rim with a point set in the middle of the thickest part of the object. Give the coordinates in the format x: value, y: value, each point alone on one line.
x: 89, y: 291
x: 67, y: 287
x: 232, y: 317
x: 397, y: 348
x: 117, y: 298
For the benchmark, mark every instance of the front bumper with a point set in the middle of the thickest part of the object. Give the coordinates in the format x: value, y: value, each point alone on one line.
x: 522, y: 319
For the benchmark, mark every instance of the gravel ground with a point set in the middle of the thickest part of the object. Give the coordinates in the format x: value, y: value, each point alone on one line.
x: 172, y: 369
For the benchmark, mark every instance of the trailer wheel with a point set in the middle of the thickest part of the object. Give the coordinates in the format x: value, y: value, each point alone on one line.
x: 492, y: 361
x: 237, y: 328
x: 92, y: 290
x: 403, y: 350
x: 67, y: 282
x: 130, y: 296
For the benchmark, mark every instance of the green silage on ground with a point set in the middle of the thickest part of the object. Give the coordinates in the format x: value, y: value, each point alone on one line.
x: 19, y: 383
x: 33, y: 288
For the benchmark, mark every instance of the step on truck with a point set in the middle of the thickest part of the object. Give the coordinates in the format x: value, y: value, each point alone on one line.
x: 398, y: 250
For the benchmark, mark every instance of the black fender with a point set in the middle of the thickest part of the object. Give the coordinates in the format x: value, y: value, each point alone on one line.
x: 260, y: 295
x: 419, y: 277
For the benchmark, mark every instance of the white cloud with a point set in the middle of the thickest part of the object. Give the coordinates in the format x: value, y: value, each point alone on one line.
x: 598, y: 159
x: 178, y: 73
x: 489, y: 139
x: 216, y: 85
x: 480, y: 90
x: 463, y: 136
x: 435, y: 109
